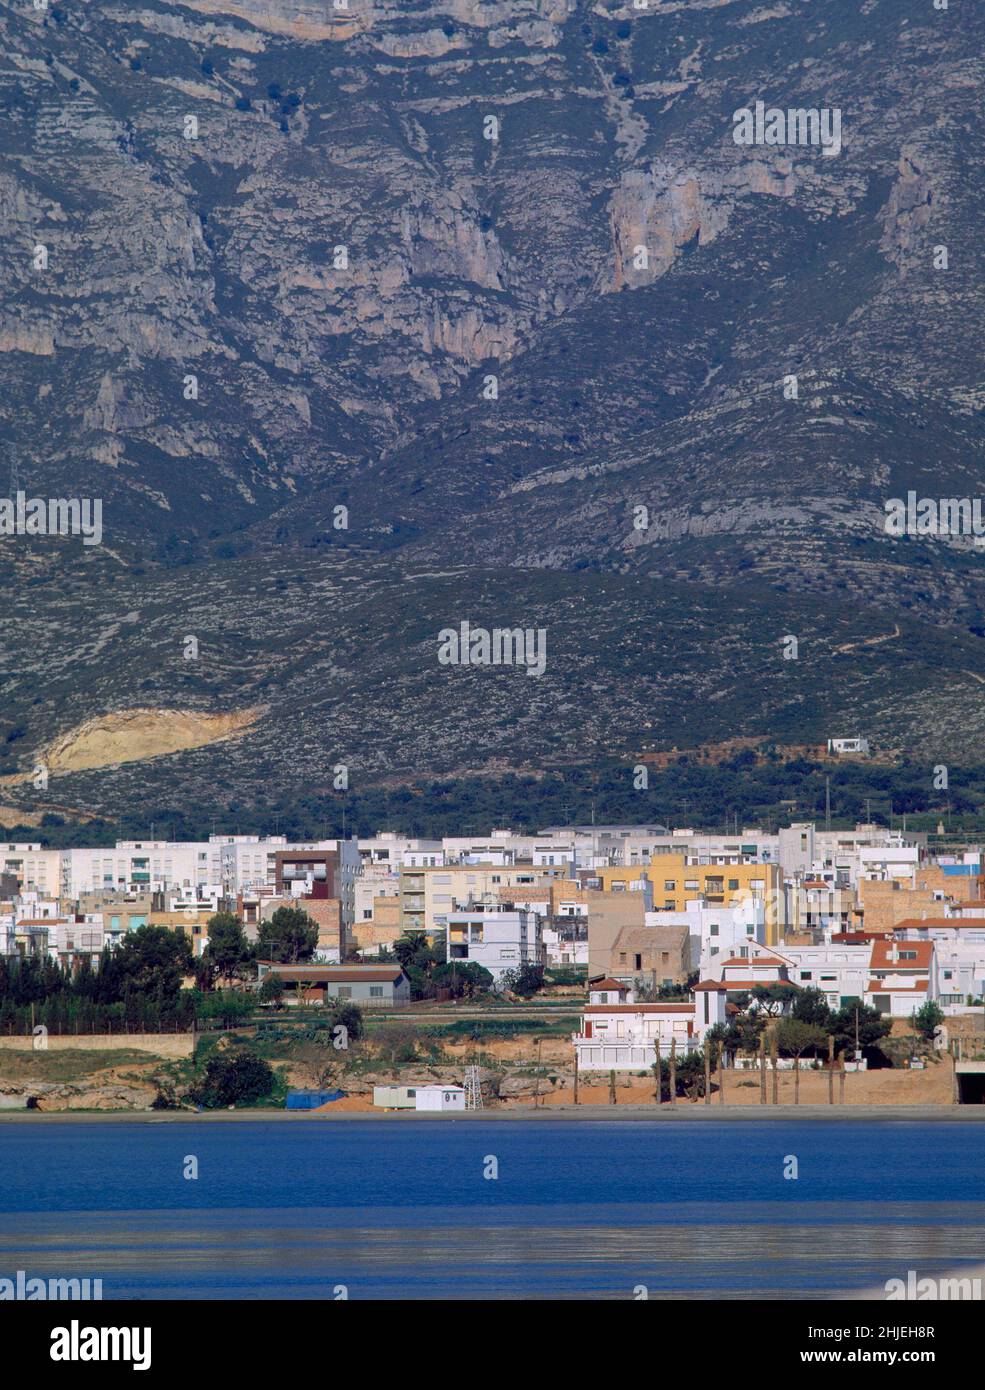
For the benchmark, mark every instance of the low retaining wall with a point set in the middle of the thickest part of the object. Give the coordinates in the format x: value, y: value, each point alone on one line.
x: 160, y: 1044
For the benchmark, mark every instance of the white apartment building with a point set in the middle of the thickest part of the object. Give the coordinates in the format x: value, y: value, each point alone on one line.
x: 36, y: 908
x: 132, y: 865
x: 566, y: 945
x: 498, y: 938
x: 839, y: 970
x: 959, y: 948
x: 423, y: 858
x: 8, y: 937
x: 834, y: 856
x: 498, y: 847
x: 204, y: 899
x: 557, y: 846
x: 390, y: 849
x: 243, y: 863
x: 71, y: 938
x: 750, y: 846
x: 36, y: 869
x: 899, y: 862
x: 818, y: 907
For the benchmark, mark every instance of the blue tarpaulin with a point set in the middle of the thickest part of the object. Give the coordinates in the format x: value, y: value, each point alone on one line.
x: 310, y: 1100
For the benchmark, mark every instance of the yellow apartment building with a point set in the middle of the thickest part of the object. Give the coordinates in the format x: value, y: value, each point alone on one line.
x: 676, y: 883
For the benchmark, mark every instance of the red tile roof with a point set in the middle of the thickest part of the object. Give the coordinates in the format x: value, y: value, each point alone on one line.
x: 921, y: 954
x: 340, y: 974
x: 752, y: 960
x: 733, y: 985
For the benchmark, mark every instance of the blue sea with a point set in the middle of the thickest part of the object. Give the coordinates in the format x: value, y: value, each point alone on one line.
x: 490, y: 1209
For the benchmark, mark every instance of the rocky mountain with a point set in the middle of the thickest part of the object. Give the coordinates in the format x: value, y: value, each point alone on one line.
x: 363, y: 320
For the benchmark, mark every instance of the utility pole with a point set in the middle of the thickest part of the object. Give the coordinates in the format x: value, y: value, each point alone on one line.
x: 673, y: 1071
x: 776, y: 1077
x: 831, y: 1069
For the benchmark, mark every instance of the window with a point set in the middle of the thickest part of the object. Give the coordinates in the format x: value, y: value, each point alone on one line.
x: 713, y: 930
x: 376, y: 991
x: 805, y: 974
x: 733, y: 884
x: 907, y: 955
x: 670, y: 885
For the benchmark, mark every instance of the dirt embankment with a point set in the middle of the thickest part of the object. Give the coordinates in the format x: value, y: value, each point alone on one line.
x: 514, y: 1074
x: 135, y: 735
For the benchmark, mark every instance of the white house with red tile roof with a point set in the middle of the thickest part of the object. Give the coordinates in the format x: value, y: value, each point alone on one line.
x: 902, y: 976
x: 619, y: 1034
x: 959, y: 950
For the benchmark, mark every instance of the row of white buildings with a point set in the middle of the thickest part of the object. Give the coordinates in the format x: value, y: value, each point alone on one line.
x: 239, y: 863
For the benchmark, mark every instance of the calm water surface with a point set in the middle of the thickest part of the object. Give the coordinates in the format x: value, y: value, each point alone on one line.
x: 578, y: 1210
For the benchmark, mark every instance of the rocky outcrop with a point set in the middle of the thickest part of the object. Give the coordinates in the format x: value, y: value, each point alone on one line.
x: 908, y: 212
x: 53, y: 1096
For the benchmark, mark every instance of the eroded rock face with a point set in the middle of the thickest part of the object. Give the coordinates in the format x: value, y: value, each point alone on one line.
x: 53, y: 1096
x: 908, y: 212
